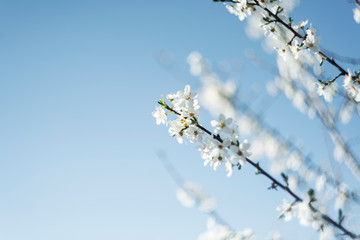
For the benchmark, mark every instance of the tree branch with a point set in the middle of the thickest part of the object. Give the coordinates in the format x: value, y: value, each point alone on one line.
x: 274, y: 181
x: 279, y: 20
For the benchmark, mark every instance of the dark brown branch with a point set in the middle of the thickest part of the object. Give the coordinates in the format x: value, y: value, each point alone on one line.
x: 288, y: 190
x: 274, y: 181
x: 323, y: 55
x: 279, y: 20
x: 285, y: 188
x: 216, y: 137
x: 357, y: 3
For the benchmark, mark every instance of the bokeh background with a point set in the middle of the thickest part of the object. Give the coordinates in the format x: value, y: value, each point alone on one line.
x: 78, y: 145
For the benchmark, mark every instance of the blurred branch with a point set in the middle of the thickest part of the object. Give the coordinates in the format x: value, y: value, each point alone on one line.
x: 357, y: 3
x: 179, y: 180
x: 351, y: 60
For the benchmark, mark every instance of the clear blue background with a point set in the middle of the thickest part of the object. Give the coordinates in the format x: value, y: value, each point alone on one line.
x: 78, y: 83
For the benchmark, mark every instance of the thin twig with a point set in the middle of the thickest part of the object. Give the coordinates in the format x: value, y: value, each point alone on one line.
x: 274, y: 181
x: 279, y: 20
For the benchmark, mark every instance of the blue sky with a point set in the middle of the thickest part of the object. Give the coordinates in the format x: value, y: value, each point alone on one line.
x: 78, y: 144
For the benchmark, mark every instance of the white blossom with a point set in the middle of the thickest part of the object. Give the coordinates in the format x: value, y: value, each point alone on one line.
x: 191, y: 195
x: 276, y: 236
x: 356, y: 12
x: 342, y: 196
x: 295, y: 48
x: 346, y: 112
x: 294, y: 161
x: 216, y: 231
x: 312, y: 40
x: 222, y: 124
x: 270, y: 31
x: 184, y: 198
x: 218, y: 154
x: 194, y: 134
x: 160, y: 115
x: 229, y: 168
x: 320, y: 182
x: 177, y: 129
x: 303, y: 212
x: 282, y: 52
x: 240, y: 9
x: 285, y: 210
x: 197, y: 66
x: 326, y: 233
x: 352, y: 88
x: 327, y: 91
x: 185, y: 98
x: 241, y: 152
x: 300, y: 25
x: 293, y: 182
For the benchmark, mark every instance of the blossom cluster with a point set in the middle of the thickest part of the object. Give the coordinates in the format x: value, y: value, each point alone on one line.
x: 352, y: 86
x: 291, y: 40
x: 296, y: 47
x: 307, y: 216
x: 191, y: 195
x: 356, y: 12
x: 217, y: 231
x: 273, y: 29
x: 223, y: 147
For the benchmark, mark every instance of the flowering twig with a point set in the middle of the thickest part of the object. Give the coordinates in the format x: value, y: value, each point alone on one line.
x: 279, y: 184
x: 293, y: 31
x: 187, y: 110
x: 256, y: 165
x: 230, y: 101
x: 323, y: 55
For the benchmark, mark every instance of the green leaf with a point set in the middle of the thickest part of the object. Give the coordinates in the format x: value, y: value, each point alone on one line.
x: 311, y: 194
x: 279, y: 10
x: 273, y: 186
x: 194, y: 121
x: 285, y: 177
x: 162, y: 102
x: 341, y: 217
